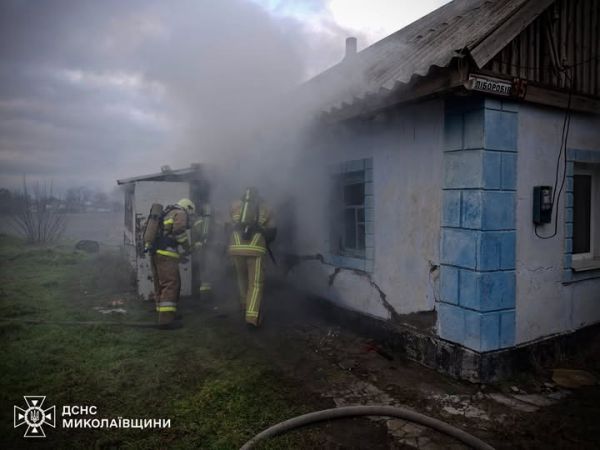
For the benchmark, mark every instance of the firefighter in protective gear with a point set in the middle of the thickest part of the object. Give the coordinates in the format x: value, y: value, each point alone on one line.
x: 248, y: 247
x: 173, y: 235
x: 201, y: 234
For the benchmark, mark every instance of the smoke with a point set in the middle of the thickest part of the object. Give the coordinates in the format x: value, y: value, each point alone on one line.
x: 220, y: 65
x: 94, y: 91
x: 231, y: 71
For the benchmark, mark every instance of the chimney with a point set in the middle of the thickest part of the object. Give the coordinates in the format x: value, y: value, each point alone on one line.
x: 351, y: 46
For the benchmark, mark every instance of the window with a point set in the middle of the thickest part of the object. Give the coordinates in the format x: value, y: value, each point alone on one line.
x: 351, y: 215
x: 586, y: 217
x: 582, y: 209
x: 351, y: 240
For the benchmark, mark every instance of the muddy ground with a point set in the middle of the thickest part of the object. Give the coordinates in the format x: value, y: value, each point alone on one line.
x: 333, y: 363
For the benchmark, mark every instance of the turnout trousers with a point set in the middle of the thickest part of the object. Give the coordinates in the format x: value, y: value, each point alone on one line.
x: 250, y: 278
x: 168, y: 285
x: 202, y: 271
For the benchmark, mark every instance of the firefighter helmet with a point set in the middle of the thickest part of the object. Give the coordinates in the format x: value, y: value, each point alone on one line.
x: 187, y: 205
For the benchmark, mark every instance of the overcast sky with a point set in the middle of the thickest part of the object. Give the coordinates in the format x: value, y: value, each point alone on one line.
x: 92, y: 91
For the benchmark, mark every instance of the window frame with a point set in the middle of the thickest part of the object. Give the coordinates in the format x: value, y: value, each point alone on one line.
x: 336, y: 255
x: 356, y: 251
x: 576, y: 268
x: 593, y: 201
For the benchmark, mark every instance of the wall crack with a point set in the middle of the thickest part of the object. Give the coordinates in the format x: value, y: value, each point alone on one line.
x: 382, y: 295
x: 293, y: 260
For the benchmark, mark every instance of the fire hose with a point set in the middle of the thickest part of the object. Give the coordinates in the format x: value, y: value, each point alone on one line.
x: 80, y: 322
x: 357, y: 411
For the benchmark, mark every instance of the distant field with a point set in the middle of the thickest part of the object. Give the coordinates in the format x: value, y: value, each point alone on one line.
x: 106, y: 228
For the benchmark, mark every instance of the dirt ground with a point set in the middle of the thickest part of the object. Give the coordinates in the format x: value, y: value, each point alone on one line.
x: 344, y: 368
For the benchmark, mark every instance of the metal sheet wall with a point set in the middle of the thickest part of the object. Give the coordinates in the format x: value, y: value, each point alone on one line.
x: 560, y: 49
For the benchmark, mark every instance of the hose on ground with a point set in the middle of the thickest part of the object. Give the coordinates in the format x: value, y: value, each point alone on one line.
x: 80, y: 322
x: 88, y: 322
x: 356, y: 411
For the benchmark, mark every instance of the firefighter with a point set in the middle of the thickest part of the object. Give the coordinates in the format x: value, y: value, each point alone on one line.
x: 201, y: 235
x: 166, y: 258
x: 252, y: 231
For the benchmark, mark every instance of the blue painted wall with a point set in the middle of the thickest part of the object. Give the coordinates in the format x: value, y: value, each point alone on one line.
x: 478, y: 239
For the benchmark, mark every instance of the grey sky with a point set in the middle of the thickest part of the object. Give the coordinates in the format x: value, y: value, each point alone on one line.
x: 91, y: 91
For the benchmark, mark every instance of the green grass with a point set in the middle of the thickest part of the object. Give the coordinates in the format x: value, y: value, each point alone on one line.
x: 206, y: 378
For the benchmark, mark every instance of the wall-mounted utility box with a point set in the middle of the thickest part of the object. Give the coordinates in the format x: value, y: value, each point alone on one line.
x: 542, y: 204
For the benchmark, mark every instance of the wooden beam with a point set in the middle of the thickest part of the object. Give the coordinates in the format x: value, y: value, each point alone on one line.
x: 558, y: 99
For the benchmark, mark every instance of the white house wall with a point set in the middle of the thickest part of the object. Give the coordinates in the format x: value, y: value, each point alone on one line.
x: 404, y: 159
x: 129, y: 235
x: 546, y: 305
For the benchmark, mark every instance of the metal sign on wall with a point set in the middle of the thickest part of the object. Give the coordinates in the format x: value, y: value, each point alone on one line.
x: 490, y: 85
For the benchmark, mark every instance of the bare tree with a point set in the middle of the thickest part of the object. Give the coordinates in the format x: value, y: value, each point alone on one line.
x: 39, y: 217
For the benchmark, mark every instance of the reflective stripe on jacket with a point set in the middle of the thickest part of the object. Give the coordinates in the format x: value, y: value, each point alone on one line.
x: 175, y: 226
x: 171, y: 253
x: 256, y: 245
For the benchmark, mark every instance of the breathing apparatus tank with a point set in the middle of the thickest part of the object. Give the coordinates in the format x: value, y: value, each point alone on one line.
x: 249, y: 213
x: 152, y: 227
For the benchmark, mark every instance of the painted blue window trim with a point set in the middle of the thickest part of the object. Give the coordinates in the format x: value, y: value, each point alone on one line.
x: 575, y: 156
x: 366, y: 262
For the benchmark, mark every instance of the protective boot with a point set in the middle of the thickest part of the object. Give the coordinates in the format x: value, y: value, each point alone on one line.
x: 166, y: 318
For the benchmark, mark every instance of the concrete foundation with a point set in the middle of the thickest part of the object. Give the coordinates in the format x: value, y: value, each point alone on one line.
x: 413, y: 336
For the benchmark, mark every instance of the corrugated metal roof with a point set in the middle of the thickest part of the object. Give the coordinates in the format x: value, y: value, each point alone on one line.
x: 432, y: 41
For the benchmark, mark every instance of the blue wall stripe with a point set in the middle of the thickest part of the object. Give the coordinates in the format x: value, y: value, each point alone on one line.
x: 478, y: 238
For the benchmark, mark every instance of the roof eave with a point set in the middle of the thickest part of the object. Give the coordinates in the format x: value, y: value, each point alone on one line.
x: 193, y: 170
x: 437, y: 81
